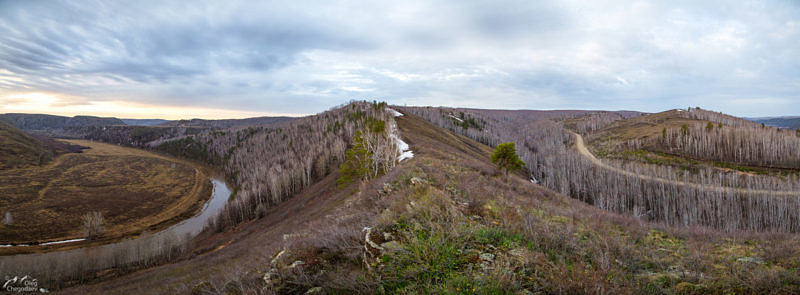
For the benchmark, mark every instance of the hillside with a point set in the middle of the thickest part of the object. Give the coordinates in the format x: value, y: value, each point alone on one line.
x: 226, y: 123
x: 42, y: 122
x: 143, y: 122
x: 446, y: 221
x: 683, y: 136
x: 641, y: 127
x: 781, y: 122
x: 18, y: 149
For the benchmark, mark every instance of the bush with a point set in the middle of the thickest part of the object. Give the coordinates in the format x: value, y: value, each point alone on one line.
x: 357, y: 163
x: 505, y: 157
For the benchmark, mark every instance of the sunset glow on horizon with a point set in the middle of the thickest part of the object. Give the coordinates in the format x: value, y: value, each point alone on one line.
x: 57, y: 104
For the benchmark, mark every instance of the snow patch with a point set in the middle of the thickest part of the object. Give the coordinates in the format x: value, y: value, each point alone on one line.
x: 45, y: 244
x: 62, y: 242
x: 402, y: 146
x: 394, y: 112
x: 457, y: 118
x: 9, y: 245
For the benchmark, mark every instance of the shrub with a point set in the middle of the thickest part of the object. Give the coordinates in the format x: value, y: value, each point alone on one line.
x: 505, y: 157
x: 357, y: 163
x: 261, y: 210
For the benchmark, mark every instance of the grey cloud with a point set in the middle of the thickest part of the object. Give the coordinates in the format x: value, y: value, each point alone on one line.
x: 303, y: 57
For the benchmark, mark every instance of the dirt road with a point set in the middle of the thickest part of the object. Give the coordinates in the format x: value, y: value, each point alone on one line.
x: 581, y: 148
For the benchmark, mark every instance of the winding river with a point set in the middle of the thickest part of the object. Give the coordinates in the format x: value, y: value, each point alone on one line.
x: 188, y: 227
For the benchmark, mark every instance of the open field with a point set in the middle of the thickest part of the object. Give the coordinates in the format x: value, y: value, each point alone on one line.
x: 134, y: 190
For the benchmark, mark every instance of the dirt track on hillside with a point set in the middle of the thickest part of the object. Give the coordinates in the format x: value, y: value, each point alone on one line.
x: 581, y: 148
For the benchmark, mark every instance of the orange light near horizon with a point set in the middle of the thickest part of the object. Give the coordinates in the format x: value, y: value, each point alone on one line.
x: 51, y: 103
x: 27, y: 101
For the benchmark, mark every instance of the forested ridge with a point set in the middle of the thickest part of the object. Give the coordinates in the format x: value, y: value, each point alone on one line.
x: 270, y: 163
x: 545, y: 147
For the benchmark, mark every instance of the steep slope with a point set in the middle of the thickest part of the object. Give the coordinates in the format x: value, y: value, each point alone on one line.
x: 18, y: 149
x: 642, y: 127
x: 44, y: 122
x: 697, y: 134
x: 782, y: 122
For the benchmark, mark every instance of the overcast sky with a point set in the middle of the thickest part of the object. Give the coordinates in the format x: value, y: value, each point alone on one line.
x: 215, y: 59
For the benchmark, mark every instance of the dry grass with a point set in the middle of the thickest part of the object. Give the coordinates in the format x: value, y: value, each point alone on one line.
x: 133, y: 189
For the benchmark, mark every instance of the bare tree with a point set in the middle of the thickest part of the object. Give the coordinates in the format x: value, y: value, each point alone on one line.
x: 745, y: 145
x: 93, y: 225
x: 269, y: 163
x: 544, y: 145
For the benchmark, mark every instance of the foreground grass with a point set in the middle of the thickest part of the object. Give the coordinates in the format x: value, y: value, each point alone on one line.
x: 135, y: 190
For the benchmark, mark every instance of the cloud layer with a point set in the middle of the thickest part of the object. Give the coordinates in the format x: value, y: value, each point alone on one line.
x: 303, y: 57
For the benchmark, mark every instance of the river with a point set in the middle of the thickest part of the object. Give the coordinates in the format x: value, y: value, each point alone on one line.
x: 191, y: 226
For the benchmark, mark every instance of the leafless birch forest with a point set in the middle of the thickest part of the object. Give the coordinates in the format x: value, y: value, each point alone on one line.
x: 761, y: 203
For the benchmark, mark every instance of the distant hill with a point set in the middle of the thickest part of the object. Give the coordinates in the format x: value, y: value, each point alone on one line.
x: 19, y: 149
x: 782, y: 122
x: 226, y: 123
x: 42, y: 122
x: 144, y: 122
x: 650, y: 126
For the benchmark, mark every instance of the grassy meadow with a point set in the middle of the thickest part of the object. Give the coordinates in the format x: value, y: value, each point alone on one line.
x: 135, y: 190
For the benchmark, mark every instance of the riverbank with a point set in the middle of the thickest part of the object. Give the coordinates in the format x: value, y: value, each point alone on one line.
x: 137, y: 191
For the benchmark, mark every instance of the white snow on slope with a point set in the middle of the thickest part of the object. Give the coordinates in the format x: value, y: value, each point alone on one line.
x: 405, y: 152
x: 456, y: 118
x: 395, y: 113
x: 45, y: 244
x: 402, y: 146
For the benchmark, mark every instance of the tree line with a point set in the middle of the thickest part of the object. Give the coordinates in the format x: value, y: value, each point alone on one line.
x: 745, y: 145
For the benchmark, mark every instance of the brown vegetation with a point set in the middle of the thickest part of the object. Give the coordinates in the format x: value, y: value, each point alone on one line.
x: 19, y: 149
x: 134, y: 189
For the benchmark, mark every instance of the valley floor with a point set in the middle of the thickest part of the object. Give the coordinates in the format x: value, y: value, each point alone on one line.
x: 135, y: 190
